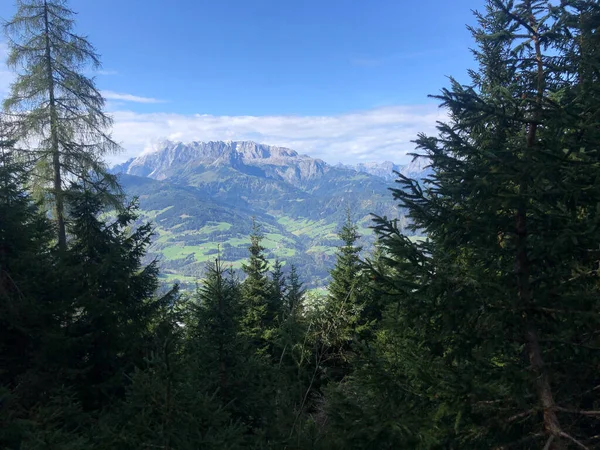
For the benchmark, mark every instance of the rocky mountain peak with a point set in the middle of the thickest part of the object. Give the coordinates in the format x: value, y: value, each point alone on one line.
x: 167, y: 158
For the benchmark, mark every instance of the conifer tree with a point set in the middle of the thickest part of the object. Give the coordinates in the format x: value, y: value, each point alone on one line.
x: 278, y: 291
x: 226, y: 361
x: 500, y: 303
x: 57, y: 108
x: 30, y: 314
x: 344, y: 275
x: 215, y: 325
x: 294, y: 295
x: 113, y: 296
x: 171, y: 402
x: 256, y: 292
x: 344, y: 301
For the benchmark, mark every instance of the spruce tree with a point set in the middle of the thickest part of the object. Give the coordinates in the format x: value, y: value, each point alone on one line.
x: 113, y: 296
x: 500, y: 302
x: 256, y: 292
x: 278, y: 292
x: 226, y: 360
x: 32, y: 406
x: 214, y: 326
x: 171, y: 402
x: 344, y: 275
x: 58, y: 109
x: 344, y: 302
x: 27, y: 268
x: 294, y: 295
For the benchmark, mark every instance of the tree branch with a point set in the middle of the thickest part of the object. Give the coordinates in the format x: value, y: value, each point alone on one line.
x: 572, y: 439
x: 578, y: 411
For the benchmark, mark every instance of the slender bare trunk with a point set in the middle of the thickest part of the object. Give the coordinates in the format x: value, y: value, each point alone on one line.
x: 59, y: 207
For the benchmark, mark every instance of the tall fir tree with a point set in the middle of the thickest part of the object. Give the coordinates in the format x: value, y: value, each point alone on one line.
x: 172, y: 401
x: 278, y: 292
x: 222, y: 357
x: 58, y: 109
x: 114, y: 302
x: 34, y: 409
x: 215, y: 325
x: 256, y: 292
x: 294, y: 295
x: 500, y: 301
x: 344, y: 303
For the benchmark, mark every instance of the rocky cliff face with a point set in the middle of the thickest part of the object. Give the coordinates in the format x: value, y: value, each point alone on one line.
x: 170, y: 158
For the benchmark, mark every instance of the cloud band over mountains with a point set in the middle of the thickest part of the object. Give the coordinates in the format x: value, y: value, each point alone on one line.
x: 377, y: 134
x: 373, y: 135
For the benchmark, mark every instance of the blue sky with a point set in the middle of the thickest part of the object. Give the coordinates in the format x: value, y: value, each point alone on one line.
x: 344, y: 80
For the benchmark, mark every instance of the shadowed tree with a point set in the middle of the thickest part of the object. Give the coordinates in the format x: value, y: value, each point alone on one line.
x: 499, y: 308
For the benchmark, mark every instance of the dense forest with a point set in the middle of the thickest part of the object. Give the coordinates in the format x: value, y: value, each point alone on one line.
x: 484, y: 335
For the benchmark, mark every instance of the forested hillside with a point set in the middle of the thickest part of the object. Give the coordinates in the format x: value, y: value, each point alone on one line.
x: 207, y: 194
x: 483, y: 335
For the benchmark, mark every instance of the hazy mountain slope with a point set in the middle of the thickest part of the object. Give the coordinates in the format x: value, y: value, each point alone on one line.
x: 415, y: 169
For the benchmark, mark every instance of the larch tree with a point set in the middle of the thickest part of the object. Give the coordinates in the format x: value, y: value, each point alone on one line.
x: 58, y: 109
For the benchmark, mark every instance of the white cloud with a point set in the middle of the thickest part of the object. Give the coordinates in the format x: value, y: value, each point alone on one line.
x: 372, y: 135
x: 110, y: 95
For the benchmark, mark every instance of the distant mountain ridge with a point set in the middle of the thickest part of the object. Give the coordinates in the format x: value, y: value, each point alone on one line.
x: 417, y: 168
x: 203, y: 196
x: 276, y: 162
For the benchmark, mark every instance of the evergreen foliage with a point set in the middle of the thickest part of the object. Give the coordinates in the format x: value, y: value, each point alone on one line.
x: 55, y: 106
x: 484, y: 335
x: 114, y: 295
x: 294, y: 295
x: 215, y: 324
x: 501, y: 299
x: 343, y: 311
x: 278, y: 292
x: 256, y: 292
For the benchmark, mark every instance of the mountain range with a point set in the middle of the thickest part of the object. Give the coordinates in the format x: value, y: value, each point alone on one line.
x: 204, y: 196
x: 417, y: 168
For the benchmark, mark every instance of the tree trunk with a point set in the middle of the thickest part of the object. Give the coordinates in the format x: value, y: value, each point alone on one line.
x: 545, y: 397
x: 59, y: 207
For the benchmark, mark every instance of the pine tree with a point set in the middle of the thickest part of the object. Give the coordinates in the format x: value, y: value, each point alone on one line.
x: 169, y: 403
x: 344, y: 302
x: 215, y: 324
x: 256, y: 292
x: 113, y: 296
x: 499, y: 303
x: 278, y: 292
x: 57, y: 108
x: 36, y: 411
x: 294, y: 295
x: 222, y: 360
x: 344, y: 275
x: 26, y: 266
